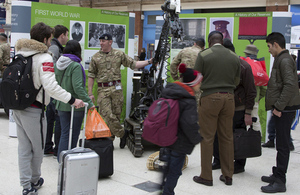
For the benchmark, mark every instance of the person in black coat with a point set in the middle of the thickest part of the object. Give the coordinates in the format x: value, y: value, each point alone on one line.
x: 188, y: 129
x: 143, y: 54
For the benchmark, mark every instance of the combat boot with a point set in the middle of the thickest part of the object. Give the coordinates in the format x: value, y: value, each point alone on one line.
x: 123, y: 139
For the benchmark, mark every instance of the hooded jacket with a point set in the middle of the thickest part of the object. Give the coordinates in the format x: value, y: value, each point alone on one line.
x: 43, y: 71
x: 70, y: 76
x: 283, y: 92
x: 188, y: 128
x: 56, y: 49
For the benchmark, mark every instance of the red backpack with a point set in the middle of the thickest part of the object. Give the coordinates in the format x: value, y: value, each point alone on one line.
x: 161, y: 124
x: 259, y: 71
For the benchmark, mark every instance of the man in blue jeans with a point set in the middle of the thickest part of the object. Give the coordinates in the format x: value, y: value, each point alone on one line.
x: 272, y: 136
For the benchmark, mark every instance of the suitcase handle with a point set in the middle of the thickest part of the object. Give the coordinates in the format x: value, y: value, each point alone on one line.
x: 71, y: 124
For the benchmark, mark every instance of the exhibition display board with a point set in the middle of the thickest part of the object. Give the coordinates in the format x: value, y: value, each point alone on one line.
x: 85, y: 25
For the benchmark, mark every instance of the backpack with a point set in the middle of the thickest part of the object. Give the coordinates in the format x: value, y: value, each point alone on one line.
x: 161, y: 124
x: 259, y: 71
x: 17, y: 90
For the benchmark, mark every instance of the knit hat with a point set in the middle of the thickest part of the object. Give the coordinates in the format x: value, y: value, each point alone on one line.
x: 189, y: 76
x: 251, y: 49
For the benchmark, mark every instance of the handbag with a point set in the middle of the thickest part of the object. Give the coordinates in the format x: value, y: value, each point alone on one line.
x: 95, y: 126
x: 247, y: 143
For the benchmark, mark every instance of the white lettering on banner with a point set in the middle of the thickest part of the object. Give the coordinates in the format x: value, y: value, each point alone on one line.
x: 59, y: 13
x: 75, y: 15
x: 56, y: 13
x: 41, y: 12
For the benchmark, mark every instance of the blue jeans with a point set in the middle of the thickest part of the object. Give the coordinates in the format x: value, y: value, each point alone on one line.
x: 172, y: 172
x: 65, y: 119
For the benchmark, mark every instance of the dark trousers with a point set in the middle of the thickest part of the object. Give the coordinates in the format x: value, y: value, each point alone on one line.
x: 172, y: 172
x: 283, y: 134
x: 272, y: 129
x: 238, y: 122
x: 52, y: 117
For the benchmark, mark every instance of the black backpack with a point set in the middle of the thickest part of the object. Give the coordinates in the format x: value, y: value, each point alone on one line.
x: 17, y: 90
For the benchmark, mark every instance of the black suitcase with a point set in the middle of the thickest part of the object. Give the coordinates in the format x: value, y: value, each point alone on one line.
x: 104, y: 148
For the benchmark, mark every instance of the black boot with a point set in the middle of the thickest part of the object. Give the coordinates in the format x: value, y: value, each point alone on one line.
x: 123, y: 140
x: 269, y: 144
x: 276, y: 186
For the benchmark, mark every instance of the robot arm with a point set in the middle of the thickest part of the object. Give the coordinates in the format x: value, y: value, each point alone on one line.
x: 150, y: 85
x: 175, y: 5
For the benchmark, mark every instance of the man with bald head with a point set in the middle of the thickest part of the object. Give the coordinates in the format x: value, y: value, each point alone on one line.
x: 221, y: 74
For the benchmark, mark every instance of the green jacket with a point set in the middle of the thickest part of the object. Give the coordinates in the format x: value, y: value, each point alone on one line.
x: 220, y: 68
x: 72, y: 82
x: 283, y: 91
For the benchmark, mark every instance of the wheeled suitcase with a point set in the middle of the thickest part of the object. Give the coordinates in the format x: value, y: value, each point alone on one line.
x: 78, y: 168
x: 104, y: 148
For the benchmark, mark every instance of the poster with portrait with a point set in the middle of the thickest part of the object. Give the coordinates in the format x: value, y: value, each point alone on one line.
x: 77, y: 31
x: 117, y: 31
x: 224, y: 25
x: 193, y: 28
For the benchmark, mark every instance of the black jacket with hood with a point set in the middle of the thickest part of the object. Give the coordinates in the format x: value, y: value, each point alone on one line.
x: 188, y: 128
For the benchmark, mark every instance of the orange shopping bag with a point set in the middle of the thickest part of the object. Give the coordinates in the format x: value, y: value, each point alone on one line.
x: 95, y: 126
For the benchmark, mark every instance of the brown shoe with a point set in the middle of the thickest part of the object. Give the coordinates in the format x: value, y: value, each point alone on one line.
x: 227, y: 180
x: 200, y: 180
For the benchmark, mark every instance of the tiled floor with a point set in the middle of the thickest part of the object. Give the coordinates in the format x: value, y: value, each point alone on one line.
x: 131, y: 171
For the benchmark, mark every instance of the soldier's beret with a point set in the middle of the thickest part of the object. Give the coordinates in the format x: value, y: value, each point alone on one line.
x: 106, y: 37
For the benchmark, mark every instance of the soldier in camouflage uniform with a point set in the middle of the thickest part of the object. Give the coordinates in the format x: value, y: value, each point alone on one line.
x: 4, y: 52
x: 187, y: 56
x: 105, y: 68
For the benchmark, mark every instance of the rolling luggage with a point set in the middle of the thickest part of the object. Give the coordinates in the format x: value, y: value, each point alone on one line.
x: 104, y: 148
x: 78, y: 168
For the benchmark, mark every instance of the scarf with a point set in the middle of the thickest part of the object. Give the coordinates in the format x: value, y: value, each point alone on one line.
x: 77, y: 59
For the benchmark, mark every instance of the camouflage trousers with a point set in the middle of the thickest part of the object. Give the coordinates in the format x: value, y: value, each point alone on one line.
x: 110, y: 102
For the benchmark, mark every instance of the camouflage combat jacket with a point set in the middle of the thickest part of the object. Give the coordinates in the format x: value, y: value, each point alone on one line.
x: 187, y: 56
x: 105, y: 67
x: 4, y: 54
